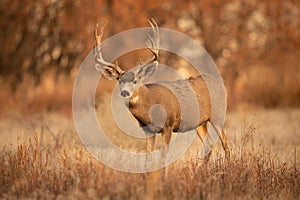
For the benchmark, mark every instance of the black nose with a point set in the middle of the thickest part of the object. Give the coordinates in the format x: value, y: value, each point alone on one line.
x: 124, y: 93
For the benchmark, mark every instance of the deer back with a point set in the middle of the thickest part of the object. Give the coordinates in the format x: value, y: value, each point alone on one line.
x: 171, y: 100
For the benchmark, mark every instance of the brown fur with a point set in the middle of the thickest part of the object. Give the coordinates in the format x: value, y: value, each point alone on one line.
x: 150, y: 94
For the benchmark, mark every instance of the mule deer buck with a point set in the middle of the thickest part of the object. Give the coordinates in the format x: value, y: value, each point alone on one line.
x: 142, y: 96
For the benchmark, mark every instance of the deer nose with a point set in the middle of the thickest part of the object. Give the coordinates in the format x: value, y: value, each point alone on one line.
x: 124, y: 93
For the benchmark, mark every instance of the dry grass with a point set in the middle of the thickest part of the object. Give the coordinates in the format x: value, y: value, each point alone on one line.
x: 63, y: 169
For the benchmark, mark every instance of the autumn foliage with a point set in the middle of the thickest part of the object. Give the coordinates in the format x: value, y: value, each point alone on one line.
x: 254, y: 43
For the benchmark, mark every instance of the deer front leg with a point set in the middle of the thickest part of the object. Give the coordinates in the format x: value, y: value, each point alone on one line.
x: 150, y: 142
x: 152, y: 178
x: 166, y: 135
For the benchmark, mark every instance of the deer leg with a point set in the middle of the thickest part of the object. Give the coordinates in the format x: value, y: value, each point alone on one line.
x: 223, y: 139
x: 150, y: 142
x: 152, y: 178
x: 202, y: 133
x: 225, y: 144
x: 166, y: 134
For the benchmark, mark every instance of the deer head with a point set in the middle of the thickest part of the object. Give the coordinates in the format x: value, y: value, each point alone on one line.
x: 129, y: 80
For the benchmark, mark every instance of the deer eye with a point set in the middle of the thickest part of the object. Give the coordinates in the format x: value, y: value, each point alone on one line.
x: 134, y: 82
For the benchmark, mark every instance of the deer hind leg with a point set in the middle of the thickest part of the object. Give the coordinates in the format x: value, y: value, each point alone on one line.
x: 206, y: 148
x: 225, y: 144
x: 223, y: 139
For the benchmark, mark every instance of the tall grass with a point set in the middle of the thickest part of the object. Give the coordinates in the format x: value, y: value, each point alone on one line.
x: 64, y: 172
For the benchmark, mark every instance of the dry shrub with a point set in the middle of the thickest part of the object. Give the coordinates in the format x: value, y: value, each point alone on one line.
x: 33, y: 171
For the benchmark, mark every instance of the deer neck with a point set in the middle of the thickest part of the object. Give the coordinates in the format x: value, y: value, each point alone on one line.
x: 140, y: 93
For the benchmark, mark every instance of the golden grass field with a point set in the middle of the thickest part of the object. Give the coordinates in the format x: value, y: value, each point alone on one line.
x: 41, y: 157
x: 45, y: 44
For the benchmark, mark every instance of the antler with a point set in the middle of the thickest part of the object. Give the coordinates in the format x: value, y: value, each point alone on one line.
x: 153, y: 42
x: 109, y: 70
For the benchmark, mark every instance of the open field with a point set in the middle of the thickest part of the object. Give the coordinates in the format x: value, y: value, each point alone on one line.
x: 254, y: 44
x: 42, y: 157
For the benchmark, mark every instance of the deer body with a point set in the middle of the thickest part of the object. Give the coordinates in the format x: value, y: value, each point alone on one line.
x: 163, y: 107
x: 148, y: 95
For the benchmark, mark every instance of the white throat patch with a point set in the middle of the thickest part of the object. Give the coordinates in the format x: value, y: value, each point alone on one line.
x: 134, y: 99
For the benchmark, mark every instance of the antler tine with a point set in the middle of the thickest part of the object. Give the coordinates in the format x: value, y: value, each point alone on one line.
x: 98, y: 54
x: 97, y: 35
x: 153, y: 42
x: 155, y: 31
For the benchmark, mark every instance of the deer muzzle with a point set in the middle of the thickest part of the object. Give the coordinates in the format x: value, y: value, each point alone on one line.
x: 125, y: 93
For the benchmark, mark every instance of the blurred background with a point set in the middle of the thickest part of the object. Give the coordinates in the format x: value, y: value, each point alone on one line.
x: 255, y: 44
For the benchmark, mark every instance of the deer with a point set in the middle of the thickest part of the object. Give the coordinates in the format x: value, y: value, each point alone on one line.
x: 142, y: 97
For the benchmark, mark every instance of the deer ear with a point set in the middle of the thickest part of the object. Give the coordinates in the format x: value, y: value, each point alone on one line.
x: 147, y: 70
x: 108, y: 73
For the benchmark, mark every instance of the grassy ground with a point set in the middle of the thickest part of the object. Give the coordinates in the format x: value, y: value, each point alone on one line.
x: 42, y: 157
